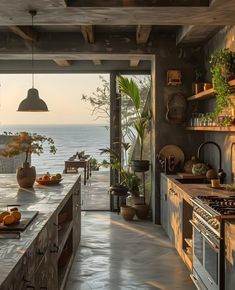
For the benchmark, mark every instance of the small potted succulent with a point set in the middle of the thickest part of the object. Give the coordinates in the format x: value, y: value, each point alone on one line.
x: 27, y: 143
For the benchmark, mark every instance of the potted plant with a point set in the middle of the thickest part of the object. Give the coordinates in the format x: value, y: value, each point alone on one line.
x: 132, y: 181
x: 198, y: 85
x: 24, y: 142
x: 122, y: 187
x: 222, y: 70
x: 141, y: 122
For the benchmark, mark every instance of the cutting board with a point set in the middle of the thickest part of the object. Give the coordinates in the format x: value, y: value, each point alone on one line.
x: 190, y: 175
x: 26, y: 218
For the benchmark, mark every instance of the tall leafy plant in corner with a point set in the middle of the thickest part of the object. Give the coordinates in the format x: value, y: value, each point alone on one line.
x: 141, y: 122
x: 222, y: 70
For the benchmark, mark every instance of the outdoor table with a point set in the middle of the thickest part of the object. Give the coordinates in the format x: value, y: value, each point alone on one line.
x: 75, y: 164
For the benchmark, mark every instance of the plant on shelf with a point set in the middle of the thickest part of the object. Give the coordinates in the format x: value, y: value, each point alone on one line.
x: 142, y: 121
x: 199, y: 75
x: 26, y: 143
x: 222, y: 70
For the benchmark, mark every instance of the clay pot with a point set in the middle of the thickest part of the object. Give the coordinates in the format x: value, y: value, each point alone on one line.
x: 127, y: 212
x: 132, y: 200
x: 26, y: 175
x: 141, y: 210
x: 197, y: 88
x: 207, y: 86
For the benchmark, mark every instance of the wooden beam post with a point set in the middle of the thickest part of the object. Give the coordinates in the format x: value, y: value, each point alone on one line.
x: 62, y: 62
x: 142, y: 33
x: 97, y: 62
x: 134, y: 62
x: 88, y: 34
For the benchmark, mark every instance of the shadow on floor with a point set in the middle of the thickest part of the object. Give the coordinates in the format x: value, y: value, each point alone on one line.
x: 119, y: 255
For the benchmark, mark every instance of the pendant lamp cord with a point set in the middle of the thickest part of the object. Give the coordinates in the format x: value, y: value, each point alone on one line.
x: 33, y: 13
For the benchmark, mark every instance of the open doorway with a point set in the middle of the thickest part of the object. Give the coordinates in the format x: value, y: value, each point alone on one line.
x: 71, y: 123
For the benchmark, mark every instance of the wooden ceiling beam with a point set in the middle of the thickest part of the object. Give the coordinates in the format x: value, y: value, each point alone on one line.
x: 63, y: 62
x: 24, y: 33
x: 139, y: 3
x: 97, y: 62
x: 134, y: 62
x: 196, y: 33
x: 88, y: 34
x: 142, y: 33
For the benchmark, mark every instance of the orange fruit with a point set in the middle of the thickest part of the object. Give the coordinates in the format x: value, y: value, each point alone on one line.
x: 8, y: 219
x: 16, y: 215
x: 46, y: 177
x: 53, y: 177
x: 3, y: 214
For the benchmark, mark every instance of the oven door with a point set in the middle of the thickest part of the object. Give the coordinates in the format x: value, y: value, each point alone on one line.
x: 206, y: 259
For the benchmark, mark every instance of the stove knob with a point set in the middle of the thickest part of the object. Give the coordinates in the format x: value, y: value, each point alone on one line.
x: 207, y: 217
x: 216, y: 226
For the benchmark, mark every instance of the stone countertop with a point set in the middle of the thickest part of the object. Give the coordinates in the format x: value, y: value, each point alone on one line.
x: 193, y: 190
x: 45, y: 199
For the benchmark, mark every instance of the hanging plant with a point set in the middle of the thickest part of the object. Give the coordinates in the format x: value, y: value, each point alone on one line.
x: 222, y: 70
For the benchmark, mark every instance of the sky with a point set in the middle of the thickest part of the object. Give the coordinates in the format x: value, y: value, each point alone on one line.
x: 61, y: 92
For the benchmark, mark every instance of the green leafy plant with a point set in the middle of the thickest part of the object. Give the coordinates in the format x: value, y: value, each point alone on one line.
x: 28, y: 143
x: 222, y: 68
x: 126, y: 178
x: 142, y: 121
x: 94, y: 164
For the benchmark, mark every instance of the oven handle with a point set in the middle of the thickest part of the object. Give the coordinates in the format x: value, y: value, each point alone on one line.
x: 214, y: 246
x: 195, y: 281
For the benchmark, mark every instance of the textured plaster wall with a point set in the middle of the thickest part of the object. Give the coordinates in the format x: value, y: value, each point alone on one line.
x: 169, y: 57
x: 224, y: 38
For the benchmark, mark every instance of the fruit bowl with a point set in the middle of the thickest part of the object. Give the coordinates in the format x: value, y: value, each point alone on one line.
x: 48, y: 182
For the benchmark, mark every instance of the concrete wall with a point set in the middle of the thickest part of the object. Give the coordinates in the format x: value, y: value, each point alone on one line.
x: 169, y: 57
x: 224, y: 38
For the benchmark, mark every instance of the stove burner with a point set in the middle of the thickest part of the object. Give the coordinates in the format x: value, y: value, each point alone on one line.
x: 223, y: 205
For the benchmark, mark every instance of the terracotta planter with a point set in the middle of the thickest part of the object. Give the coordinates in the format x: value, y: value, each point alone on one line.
x: 197, y: 88
x: 207, y: 86
x: 132, y: 200
x: 127, y: 212
x: 141, y: 210
x: 26, y: 175
x: 140, y: 165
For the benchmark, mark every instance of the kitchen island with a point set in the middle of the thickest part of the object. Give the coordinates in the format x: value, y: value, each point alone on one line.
x: 42, y: 256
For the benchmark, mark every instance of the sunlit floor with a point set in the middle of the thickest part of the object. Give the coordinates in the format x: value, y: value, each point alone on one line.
x: 119, y: 255
x: 95, y: 195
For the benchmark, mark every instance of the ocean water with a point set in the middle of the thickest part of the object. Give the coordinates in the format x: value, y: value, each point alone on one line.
x: 68, y: 139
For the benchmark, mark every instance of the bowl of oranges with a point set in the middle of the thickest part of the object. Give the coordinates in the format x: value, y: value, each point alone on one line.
x: 10, y: 217
x: 49, y: 179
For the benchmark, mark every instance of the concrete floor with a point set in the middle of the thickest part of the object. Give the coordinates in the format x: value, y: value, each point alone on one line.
x: 95, y: 195
x: 119, y: 255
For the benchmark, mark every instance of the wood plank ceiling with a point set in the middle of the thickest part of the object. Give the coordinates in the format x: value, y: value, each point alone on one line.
x: 90, y: 28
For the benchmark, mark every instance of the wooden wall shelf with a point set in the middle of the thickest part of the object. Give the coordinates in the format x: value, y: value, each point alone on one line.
x: 215, y: 129
x: 207, y: 94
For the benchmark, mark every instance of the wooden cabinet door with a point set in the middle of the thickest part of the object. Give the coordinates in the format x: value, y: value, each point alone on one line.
x: 164, y: 204
x: 77, y: 214
x: 229, y: 239
x: 175, y: 216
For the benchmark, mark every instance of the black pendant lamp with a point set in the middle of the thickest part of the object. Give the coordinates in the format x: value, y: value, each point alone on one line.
x: 32, y: 103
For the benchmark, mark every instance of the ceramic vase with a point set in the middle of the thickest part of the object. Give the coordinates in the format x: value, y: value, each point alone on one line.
x: 26, y: 175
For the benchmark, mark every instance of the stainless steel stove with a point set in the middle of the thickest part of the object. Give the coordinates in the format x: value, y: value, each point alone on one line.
x: 209, y: 214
